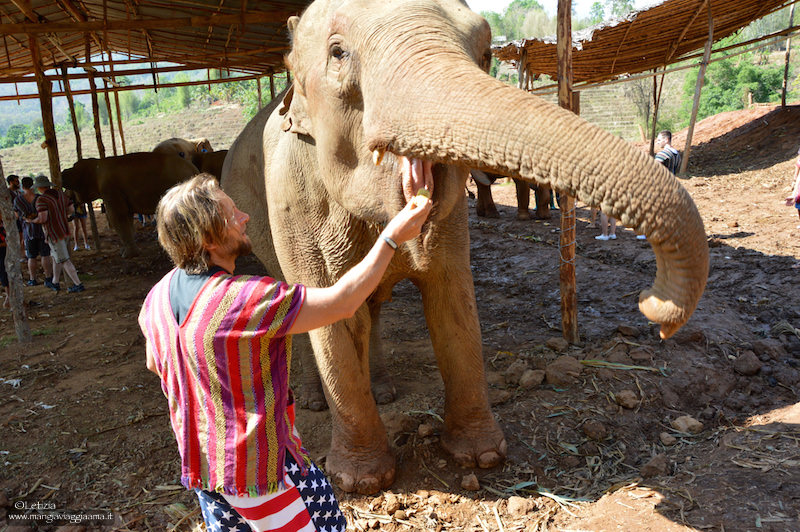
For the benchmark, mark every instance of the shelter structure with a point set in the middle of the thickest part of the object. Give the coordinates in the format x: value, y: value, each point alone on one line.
x: 672, y: 32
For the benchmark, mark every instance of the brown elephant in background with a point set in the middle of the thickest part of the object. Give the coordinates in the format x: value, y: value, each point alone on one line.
x: 211, y: 162
x: 191, y: 149
x: 319, y: 176
x: 127, y: 184
x: 484, y: 204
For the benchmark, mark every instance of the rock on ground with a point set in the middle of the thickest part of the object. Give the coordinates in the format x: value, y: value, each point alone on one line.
x: 563, y: 371
x: 687, y: 424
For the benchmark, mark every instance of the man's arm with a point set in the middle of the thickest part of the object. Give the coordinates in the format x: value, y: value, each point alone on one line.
x: 324, y: 306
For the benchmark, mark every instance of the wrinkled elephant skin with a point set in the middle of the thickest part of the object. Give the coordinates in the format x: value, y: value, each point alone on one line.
x: 374, y: 80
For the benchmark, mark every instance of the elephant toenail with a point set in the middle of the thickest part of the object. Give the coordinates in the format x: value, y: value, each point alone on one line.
x: 489, y: 459
x: 464, y: 459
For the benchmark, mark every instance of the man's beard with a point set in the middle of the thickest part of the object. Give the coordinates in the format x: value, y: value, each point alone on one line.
x: 245, y: 247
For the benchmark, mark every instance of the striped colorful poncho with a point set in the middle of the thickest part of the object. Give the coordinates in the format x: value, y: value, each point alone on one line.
x: 225, y: 373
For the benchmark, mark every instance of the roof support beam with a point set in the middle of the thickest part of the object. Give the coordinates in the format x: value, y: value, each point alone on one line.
x: 254, y: 17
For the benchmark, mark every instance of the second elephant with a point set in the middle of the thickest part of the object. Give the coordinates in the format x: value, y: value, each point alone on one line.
x: 127, y: 184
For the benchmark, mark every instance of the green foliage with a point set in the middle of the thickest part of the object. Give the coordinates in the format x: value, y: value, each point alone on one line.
x: 597, y: 13
x: 727, y: 84
x: 619, y: 8
x: 22, y: 134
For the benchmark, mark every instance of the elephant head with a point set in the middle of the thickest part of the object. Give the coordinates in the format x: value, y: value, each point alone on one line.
x: 82, y: 179
x: 409, y: 78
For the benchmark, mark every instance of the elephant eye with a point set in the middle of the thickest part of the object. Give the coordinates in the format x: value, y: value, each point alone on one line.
x: 337, y: 51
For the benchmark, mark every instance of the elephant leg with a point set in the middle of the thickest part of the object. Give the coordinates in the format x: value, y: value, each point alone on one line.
x: 382, y: 384
x: 121, y: 221
x: 543, y: 202
x: 523, y: 199
x: 471, y: 433
x: 359, y: 458
x: 312, y: 396
x: 485, y: 206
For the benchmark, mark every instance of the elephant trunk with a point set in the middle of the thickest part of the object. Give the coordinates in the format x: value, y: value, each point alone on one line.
x: 453, y: 113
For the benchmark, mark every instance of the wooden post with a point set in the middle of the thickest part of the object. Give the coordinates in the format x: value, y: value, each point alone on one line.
x: 656, y: 105
x: 110, y: 118
x: 116, y: 104
x: 258, y: 85
x: 271, y: 87
x: 566, y: 245
x: 99, y: 136
x: 46, y: 101
x: 16, y: 299
x: 697, y: 89
x: 75, y: 126
x: 786, y: 64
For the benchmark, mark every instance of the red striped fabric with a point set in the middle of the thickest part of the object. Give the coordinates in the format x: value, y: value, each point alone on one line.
x: 225, y: 373
x: 55, y: 203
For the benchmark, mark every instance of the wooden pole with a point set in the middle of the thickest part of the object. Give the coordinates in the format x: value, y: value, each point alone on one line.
x: 697, y: 89
x: 107, y: 98
x: 258, y: 84
x: 46, y: 102
x: 75, y: 125
x: 16, y: 298
x: 566, y: 245
x: 271, y: 87
x: 786, y: 63
x: 116, y: 104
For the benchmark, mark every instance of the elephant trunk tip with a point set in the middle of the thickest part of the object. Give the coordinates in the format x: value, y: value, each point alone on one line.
x: 669, y: 315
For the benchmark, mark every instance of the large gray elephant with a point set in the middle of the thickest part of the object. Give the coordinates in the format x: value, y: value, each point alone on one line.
x: 319, y: 174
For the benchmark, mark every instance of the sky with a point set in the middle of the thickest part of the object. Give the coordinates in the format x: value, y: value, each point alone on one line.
x: 582, y: 7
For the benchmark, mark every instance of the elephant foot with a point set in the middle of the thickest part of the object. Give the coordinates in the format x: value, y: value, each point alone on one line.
x: 523, y: 214
x: 360, y: 472
x: 479, y: 444
x: 488, y: 213
x: 384, y: 391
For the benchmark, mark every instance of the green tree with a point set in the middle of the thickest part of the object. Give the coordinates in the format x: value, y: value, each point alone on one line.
x: 619, y: 8
x: 81, y: 116
x: 597, y: 13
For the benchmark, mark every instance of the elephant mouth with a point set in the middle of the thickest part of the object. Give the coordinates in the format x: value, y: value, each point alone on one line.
x: 416, y: 173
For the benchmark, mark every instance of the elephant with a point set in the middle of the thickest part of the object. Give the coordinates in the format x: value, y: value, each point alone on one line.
x: 211, y: 162
x: 318, y: 171
x: 485, y: 207
x: 127, y: 184
x: 190, y: 149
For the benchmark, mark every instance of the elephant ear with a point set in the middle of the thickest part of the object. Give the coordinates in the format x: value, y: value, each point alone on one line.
x: 294, y: 111
x: 295, y: 119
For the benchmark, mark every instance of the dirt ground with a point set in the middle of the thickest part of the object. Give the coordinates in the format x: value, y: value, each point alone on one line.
x: 596, y: 446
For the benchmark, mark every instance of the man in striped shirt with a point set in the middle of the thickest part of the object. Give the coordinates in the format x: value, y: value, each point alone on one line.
x: 53, y: 211
x: 221, y: 344
x: 668, y: 156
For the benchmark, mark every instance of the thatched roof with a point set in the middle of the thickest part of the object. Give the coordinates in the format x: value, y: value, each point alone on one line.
x: 236, y: 35
x: 646, y: 40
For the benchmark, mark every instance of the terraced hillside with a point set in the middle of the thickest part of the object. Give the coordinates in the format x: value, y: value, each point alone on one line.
x: 219, y: 123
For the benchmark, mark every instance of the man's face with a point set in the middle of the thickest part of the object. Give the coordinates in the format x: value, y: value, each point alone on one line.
x: 661, y: 140
x: 14, y: 184
x: 235, y: 240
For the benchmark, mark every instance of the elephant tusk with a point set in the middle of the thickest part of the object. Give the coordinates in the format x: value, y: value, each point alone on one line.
x: 377, y: 156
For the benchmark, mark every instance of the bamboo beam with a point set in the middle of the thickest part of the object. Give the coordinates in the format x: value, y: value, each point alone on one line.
x: 253, y: 17
x: 566, y: 245
x: 785, y: 86
x: 698, y: 88
x: 46, y: 103
x: 271, y: 87
x: 674, y: 47
x: 75, y: 126
x: 258, y: 85
x: 107, y: 98
x: 132, y: 87
x: 16, y: 298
